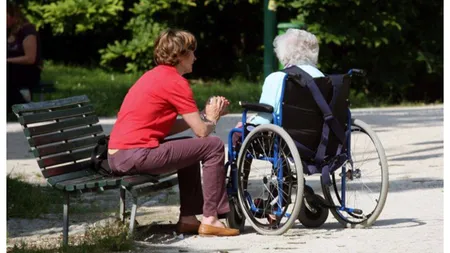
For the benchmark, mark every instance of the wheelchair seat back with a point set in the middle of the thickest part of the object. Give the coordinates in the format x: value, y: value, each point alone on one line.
x: 302, y: 117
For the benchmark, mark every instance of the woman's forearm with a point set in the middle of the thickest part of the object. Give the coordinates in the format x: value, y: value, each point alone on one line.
x: 25, y: 60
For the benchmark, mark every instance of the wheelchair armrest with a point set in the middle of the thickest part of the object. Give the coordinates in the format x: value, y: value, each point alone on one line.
x: 257, y: 107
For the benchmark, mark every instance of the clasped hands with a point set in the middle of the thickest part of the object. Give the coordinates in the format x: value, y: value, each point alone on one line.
x: 216, y: 107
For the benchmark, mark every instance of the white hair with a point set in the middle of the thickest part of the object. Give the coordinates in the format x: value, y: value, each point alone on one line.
x: 296, y: 47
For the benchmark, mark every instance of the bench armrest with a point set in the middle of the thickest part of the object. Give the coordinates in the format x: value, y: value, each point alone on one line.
x: 257, y: 107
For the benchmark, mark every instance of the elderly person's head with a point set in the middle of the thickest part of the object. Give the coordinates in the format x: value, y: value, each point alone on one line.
x: 175, y: 48
x: 296, y: 47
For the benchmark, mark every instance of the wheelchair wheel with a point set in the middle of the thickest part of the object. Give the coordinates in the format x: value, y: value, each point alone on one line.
x: 362, y: 183
x: 235, y: 218
x: 270, y: 180
x: 312, y: 215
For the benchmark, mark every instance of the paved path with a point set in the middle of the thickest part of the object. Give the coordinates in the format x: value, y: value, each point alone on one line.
x: 412, y: 220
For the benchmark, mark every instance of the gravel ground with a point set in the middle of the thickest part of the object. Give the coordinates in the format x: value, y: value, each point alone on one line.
x: 412, y: 219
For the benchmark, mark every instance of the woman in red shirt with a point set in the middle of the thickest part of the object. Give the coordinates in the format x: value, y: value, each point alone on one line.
x: 149, y: 114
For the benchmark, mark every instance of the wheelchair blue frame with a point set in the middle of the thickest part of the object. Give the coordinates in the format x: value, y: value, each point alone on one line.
x: 277, y: 120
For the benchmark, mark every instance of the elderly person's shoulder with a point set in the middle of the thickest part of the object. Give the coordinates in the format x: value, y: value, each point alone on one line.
x: 276, y: 75
x: 311, y: 70
x: 274, y: 79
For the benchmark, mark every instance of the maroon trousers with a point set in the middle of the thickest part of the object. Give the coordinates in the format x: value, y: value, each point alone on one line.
x: 183, y: 156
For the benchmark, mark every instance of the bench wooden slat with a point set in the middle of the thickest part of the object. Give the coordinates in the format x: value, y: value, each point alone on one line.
x: 95, y: 183
x: 70, y: 185
x: 99, y: 182
x: 74, y: 167
x: 107, y: 181
x: 64, y: 158
x: 57, y: 126
x: 69, y: 176
x: 64, y: 136
x: 58, y: 114
x: 88, y: 182
x: 113, y: 181
x: 45, y: 105
x: 129, y: 181
x: 146, y: 188
x: 63, y: 147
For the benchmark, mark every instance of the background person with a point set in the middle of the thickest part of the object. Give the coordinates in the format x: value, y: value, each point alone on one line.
x: 24, y: 62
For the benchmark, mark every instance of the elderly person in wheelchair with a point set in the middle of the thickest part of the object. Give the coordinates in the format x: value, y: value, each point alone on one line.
x: 302, y: 126
x: 294, y: 48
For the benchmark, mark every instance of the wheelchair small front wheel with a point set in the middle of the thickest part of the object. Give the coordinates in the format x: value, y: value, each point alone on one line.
x: 235, y: 218
x: 312, y: 215
x: 270, y: 180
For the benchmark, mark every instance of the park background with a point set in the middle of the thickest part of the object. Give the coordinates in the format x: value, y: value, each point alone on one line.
x: 101, y: 47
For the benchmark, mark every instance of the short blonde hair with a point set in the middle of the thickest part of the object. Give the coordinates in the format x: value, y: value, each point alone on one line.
x: 297, y: 47
x: 171, y: 44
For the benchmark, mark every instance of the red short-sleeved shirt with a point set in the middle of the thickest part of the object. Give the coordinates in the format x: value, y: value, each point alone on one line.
x: 150, y: 109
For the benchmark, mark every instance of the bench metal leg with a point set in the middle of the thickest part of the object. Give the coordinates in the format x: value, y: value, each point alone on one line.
x: 66, y: 219
x: 133, y: 215
x: 122, y: 204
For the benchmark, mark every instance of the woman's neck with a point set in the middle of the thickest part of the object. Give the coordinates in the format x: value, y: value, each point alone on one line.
x: 180, y: 70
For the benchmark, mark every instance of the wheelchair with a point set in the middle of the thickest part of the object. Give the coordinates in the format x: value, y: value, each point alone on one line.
x: 312, y: 133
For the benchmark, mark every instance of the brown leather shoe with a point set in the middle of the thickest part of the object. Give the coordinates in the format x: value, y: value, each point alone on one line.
x: 186, y: 228
x: 216, y: 231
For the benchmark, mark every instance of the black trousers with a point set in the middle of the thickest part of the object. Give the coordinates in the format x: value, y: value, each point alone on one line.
x: 20, y: 77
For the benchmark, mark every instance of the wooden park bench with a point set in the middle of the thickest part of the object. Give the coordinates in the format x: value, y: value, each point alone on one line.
x: 62, y: 135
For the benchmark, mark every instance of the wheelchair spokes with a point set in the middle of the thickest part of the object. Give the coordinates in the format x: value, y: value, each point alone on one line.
x: 267, y: 184
x: 360, y: 188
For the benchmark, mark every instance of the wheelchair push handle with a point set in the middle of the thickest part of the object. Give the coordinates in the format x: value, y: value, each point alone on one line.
x: 358, y: 72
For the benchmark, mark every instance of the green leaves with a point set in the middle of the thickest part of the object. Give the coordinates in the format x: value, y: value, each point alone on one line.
x: 397, y: 42
x: 138, y: 52
x: 150, y: 17
x: 73, y: 16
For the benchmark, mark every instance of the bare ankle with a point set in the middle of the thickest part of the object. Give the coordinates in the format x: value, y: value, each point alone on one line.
x: 212, y: 221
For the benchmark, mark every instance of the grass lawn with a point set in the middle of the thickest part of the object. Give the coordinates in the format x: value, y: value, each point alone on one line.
x: 30, y: 201
x: 107, y: 89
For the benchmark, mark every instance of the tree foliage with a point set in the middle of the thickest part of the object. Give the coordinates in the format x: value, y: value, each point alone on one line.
x: 73, y: 16
x: 209, y: 20
x: 138, y: 50
x: 399, y: 43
